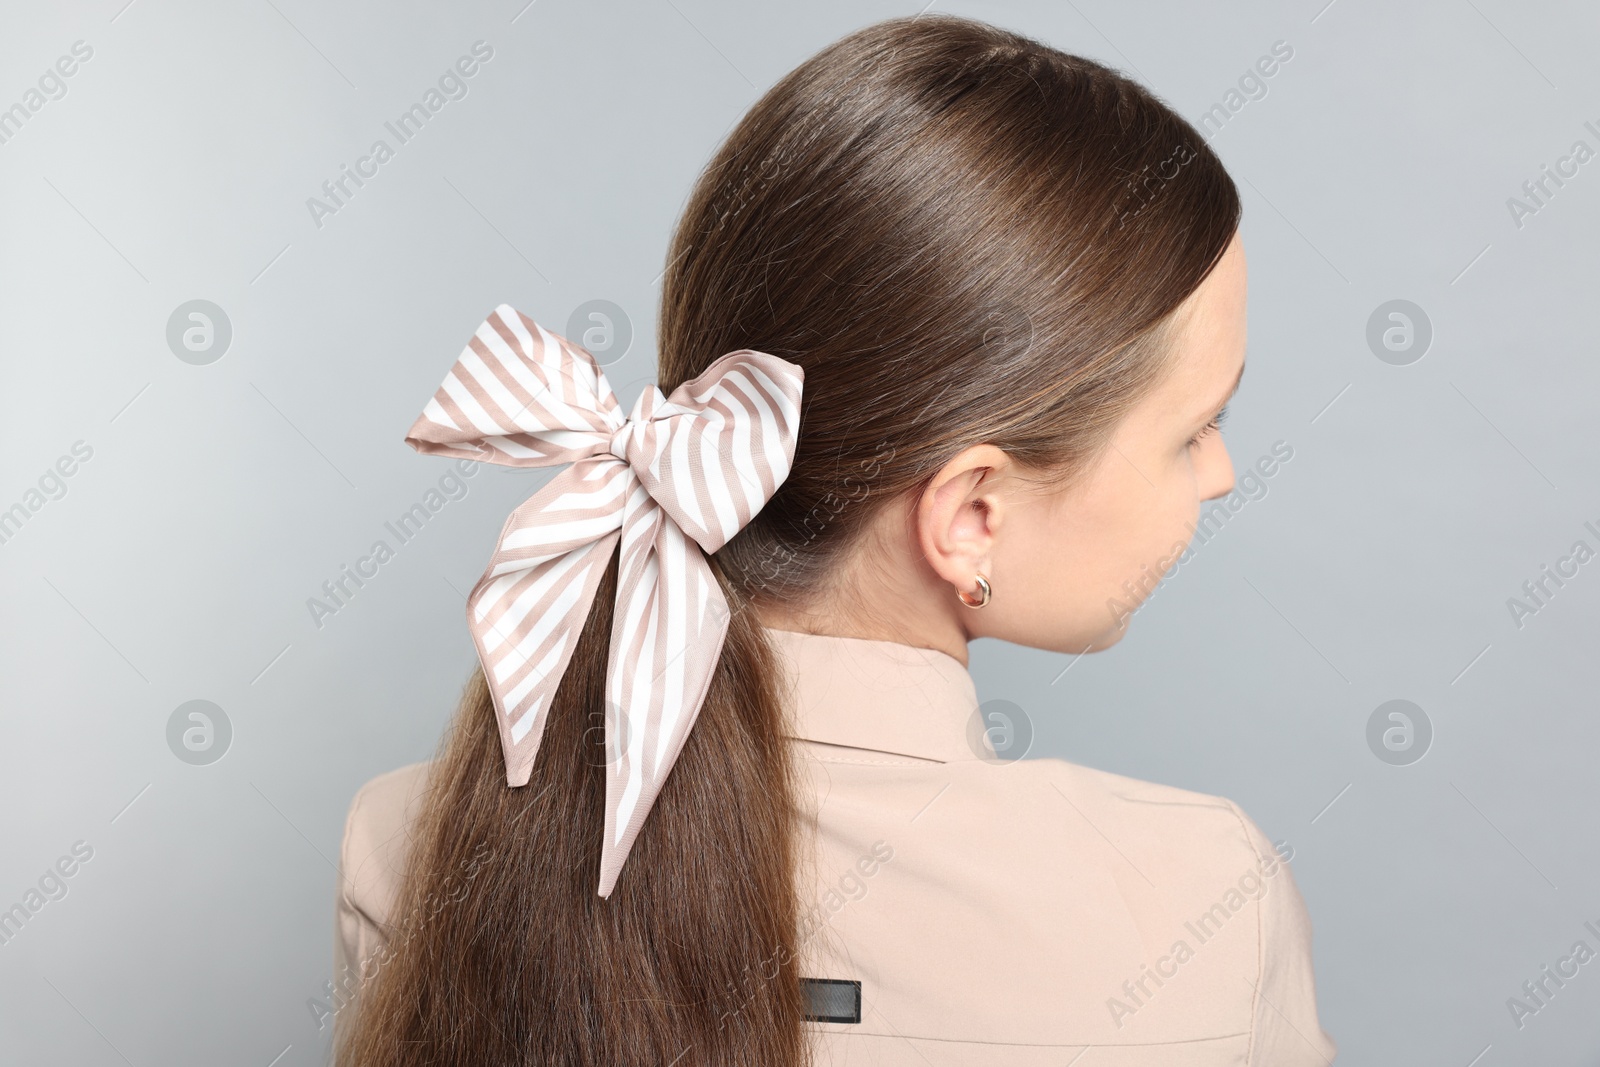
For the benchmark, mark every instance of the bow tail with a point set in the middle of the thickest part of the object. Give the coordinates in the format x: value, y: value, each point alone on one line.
x: 527, y: 611
x: 666, y: 639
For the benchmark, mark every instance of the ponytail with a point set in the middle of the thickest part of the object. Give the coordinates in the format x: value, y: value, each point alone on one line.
x: 691, y: 959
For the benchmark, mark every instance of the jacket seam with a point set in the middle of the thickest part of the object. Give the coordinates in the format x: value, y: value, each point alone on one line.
x: 877, y: 762
x: 1038, y: 1044
x: 1216, y: 804
x: 1261, y: 945
x: 347, y: 882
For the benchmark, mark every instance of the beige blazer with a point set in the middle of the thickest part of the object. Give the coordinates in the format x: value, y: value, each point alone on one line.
x: 1023, y: 912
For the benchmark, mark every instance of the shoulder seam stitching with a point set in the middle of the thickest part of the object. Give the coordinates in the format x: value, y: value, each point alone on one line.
x: 1261, y: 946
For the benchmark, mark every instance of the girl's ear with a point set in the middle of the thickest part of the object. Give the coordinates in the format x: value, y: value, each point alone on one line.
x: 958, y: 514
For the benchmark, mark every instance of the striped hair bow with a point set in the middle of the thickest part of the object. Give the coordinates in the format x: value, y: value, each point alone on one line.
x: 678, y: 475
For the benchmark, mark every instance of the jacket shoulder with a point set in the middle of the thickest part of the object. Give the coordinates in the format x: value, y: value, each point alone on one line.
x: 1196, y: 846
x: 1093, y: 780
x: 1219, y: 862
x: 1139, y: 807
x: 376, y: 844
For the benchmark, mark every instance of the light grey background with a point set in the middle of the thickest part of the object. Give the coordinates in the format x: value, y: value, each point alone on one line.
x: 218, y: 498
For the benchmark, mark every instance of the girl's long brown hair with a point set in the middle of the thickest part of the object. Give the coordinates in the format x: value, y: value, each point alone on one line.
x: 963, y: 236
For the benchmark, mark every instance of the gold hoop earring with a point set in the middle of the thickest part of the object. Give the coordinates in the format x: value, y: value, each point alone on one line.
x: 985, y: 591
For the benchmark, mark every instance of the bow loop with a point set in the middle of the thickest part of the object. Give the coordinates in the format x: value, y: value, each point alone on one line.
x: 681, y: 474
x: 520, y: 396
x: 713, y: 453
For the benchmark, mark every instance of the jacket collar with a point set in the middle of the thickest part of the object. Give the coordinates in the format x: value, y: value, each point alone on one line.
x: 880, y: 695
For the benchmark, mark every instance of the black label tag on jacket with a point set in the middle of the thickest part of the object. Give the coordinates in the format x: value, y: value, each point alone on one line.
x: 832, y: 1000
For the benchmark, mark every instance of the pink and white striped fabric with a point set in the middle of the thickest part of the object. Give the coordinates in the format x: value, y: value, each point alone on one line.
x: 678, y: 475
